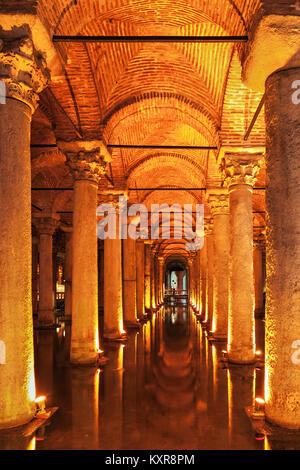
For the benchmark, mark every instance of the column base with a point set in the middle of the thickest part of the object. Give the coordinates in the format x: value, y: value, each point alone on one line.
x: 213, y: 336
x: 83, y: 356
x: 133, y: 324
x: 118, y: 337
x: 19, y: 420
x: 238, y: 361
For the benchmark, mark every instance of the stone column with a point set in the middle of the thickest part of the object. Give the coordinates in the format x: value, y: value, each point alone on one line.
x: 210, y: 276
x: 35, y: 276
x: 152, y: 279
x: 113, y: 279
x: 160, y: 278
x: 147, y: 276
x: 140, y: 278
x: 87, y: 161
x: 24, y: 77
x: 259, y: 275
x: 129, y: 282
x: 239, y: 172
x: 282, y: 369
x: 46, y: 225
x: 274, y: 46
x: 68, y: 271
x: 203, y: 278
x: 218, y: 201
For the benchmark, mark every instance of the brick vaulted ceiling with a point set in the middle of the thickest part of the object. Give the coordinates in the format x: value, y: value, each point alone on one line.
x: 148, y: 93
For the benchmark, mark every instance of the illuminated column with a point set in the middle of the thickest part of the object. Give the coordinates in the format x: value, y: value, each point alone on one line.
x: 68, y: 270
x: 283, y: 251
x: 87, y: 161
x: 140, y: 278
x: 129, y: 282
x: 24, y: 77
x: 152, y: 278
x: 218, y: 201
x: 197, y: 273
x: 272, y: 66
x: 210, y: 275
x: 113, y: 289
x: 160, y: 278
x: 147, y: 276
x: 46, y: 225
x: 239, y: 172
x: 203, y: 277
x: 259, y: 277
x: 35, y: 277
x: 191, y: 279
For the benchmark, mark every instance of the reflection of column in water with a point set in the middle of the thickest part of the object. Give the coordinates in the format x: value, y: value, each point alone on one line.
x: 130, y: 423
x: 85, y: 407
x: 112, y: 399
x: 241, y: 388
x: 217, y: 404
x: 44, y: 364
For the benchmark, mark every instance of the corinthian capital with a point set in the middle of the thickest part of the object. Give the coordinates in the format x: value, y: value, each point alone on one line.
x: 23, y: 70
x: 218, y: 202
x: 86, y: 159
x: 241, y: 168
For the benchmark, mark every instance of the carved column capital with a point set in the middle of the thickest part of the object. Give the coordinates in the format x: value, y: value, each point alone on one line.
x: 241, y: 168
x: 46, y: 223
x: 87, y: 159
x: 118, y: 201
x: 208, y: 226
x: 23, y: 70
x: 218, y: 202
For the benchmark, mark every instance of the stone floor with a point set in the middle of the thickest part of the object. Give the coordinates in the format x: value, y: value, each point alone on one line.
x: 165, y: 388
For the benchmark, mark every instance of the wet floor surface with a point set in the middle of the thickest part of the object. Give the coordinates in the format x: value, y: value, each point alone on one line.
x: 165, y: 388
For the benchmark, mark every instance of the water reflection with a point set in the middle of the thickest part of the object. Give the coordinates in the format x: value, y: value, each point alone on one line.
x: 166, y: 388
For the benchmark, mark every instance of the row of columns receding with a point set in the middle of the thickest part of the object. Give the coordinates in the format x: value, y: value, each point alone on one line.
x: 282, y: 370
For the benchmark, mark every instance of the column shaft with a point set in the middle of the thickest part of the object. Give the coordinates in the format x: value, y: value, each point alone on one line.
x: 46, y: 291
x: 113, y: 295
x: 282, y: 368
x: 221, y: 258
x: 85, y: 340
x: 140, y: 279
x: 129, y: 281
x: 241, y: 340
x: 17, y: 391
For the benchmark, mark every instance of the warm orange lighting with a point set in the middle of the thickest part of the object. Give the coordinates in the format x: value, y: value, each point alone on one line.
x: 32, y: 444
x: 41, y: 404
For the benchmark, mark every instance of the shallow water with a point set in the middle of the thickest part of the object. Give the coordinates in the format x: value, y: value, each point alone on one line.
x: 165, y: 388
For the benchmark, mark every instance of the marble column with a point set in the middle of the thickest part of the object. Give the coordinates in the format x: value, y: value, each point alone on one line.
x: 46, y: 225
x: 239, y: 172
x: 160, y: 278
x: 147, y: 276
x: 152, y: 279
x: 35, y: 275
x: 140, y: 278
x: 218, y: 201
x: 113, y: 279
x: 259, y: 273
x: 87, y: 161
x: 210, y: 276
x: 282, y: 368
x: 203, y: 278
x: 23, y: 77
x: 129, y: 282
x: 68, y: 271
